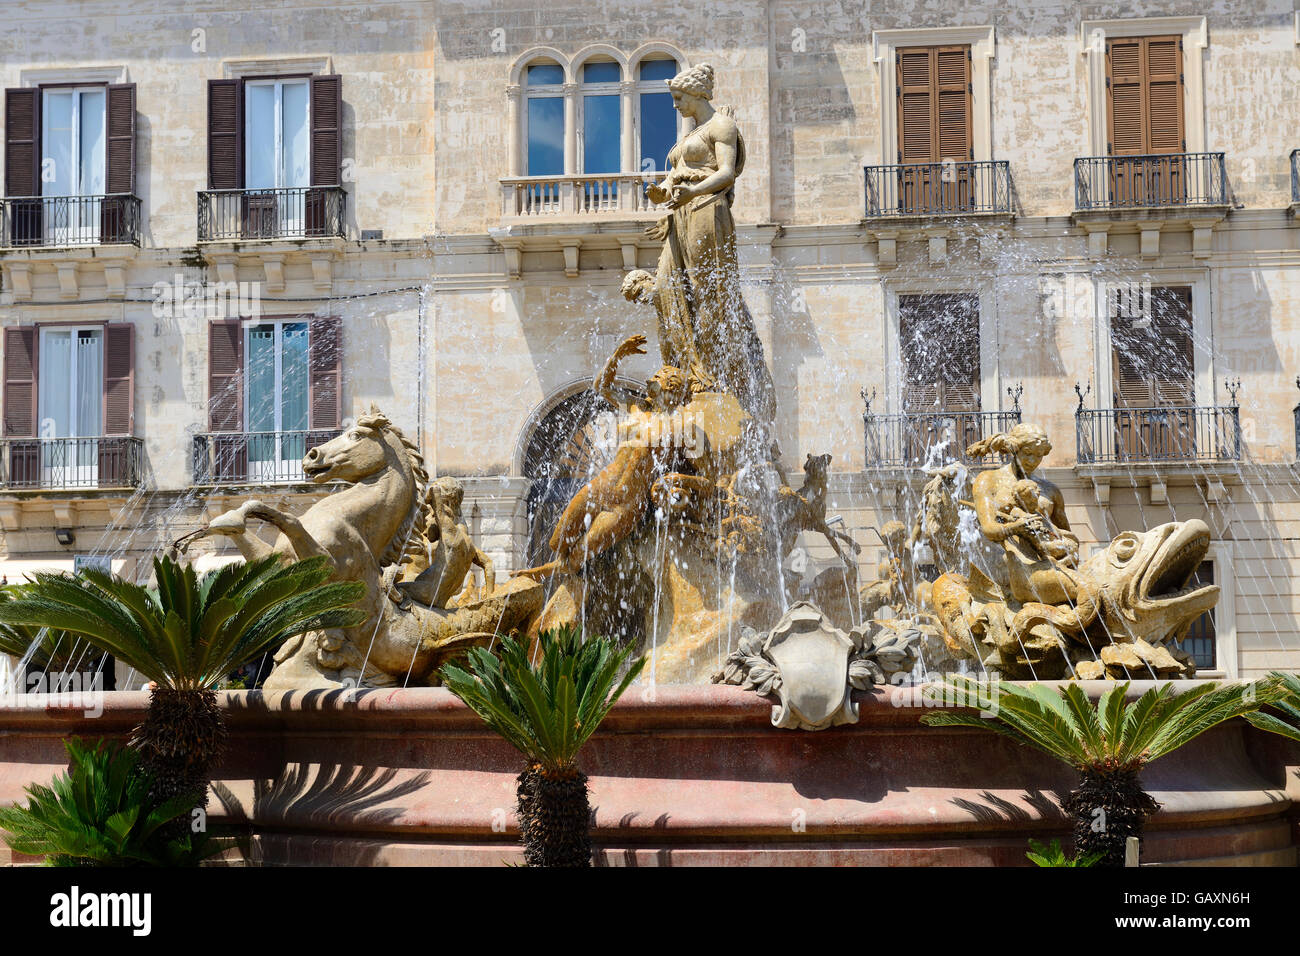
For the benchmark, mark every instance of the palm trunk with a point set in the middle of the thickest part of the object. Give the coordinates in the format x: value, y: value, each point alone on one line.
x: 554, y: 817
x: 1108, y: 807
x: 179, y: 742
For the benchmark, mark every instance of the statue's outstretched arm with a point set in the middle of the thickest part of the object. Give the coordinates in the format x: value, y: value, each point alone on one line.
x: 604, y: 383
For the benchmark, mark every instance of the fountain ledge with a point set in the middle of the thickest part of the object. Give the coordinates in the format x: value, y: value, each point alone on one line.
x: 696, y: 775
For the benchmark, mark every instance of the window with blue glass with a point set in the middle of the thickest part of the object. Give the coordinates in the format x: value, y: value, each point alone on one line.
x: 658, y: 125
x: 545, y: 119
x: 602, y: 117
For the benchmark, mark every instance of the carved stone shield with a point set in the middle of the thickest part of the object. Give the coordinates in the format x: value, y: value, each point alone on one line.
x: 813, y: 660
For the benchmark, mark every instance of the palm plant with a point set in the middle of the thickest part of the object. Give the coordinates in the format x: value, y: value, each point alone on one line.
x: 49, y: 649
x: 1041, y: 854
x: 1287, y: 687
x: 185, y: 634
x: 1108, y: 743
x: 99, y: 814
x: 547, y: 712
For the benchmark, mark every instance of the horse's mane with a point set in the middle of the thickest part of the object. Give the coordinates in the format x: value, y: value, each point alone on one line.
x: 404, y: 542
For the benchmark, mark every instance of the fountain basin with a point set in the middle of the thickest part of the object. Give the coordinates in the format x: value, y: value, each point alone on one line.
x: 696, y: 775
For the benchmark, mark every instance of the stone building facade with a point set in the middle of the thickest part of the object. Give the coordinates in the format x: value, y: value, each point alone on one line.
x: 1008, y: 199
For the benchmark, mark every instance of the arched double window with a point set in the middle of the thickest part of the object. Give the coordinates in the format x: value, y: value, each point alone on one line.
x: 599, y: 113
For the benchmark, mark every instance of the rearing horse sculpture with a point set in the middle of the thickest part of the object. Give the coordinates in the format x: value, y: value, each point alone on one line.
x: 370, y: 525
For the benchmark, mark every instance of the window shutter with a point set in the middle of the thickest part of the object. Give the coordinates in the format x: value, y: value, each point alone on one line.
x: 326, y: 130
x: 226, y: 376
x: 1144, y: 75
x: 20, y: 381
x: 225, y: 134
x: 954, y: 113
x: 119, y: 379
x: 1164, y: 95
x: 120, y: 142
x: 1131, y: 351
x: 916, y: 106
x: 1126, y: 122
x: 1174, y: 360
x: 22, y: 142
x: 939, y: 337
x: 325, y: 348
x: 958, y: 327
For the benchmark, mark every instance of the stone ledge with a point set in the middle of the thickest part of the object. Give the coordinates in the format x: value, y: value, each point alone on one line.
x: 695, y: 773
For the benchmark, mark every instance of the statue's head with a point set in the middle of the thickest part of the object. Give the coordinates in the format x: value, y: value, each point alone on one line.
x: 1029, y: 444
x: 637, y: 286
x: 666, y: 388
x: 449, y: 491
x: 359, y: 452
x: 691, y: 87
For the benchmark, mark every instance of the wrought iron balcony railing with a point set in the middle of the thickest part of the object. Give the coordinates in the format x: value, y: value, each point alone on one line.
x: 108, y: 461
x: 1159, y: 180
x: 538, y: 197
x: 1161, y: 434
x: 938, y: 189
x: 911, y: 440
x: 257, y: 458
x: 307, y: 212
x: 33, y: 222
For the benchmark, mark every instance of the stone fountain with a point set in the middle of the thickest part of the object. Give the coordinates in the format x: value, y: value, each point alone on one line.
x: 679, y: 543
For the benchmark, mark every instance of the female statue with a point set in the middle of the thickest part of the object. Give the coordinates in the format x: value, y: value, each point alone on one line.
x: 697, y: 285
x: 1029, y: 522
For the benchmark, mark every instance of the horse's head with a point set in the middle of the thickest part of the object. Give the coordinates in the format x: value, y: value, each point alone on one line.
x: 358, y: 453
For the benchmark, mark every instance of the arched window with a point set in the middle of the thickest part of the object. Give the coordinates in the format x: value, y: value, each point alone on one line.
x: 602, y: 121
x: 544, y: 119
x: 657, y: 120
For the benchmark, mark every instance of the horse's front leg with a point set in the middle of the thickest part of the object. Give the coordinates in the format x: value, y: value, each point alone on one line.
x: 235, y: 524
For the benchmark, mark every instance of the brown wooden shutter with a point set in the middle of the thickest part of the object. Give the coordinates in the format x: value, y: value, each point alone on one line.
x: 22, y: 142
x: 1132, y: 349
x: 119, y: 378
x: 326, y: 130
x: 1164, y: 66
x: 916, y: 139
x: 120, y: 142
x: 226, y: 376
x: 325, y: 349
x: 939, y: 336
x: 115, y: 450
x: 225, y: 134
x: 20, y: 400
x: 953, y: 111
x: 20, y: 381
x: 1126, y: 119
x: 1145, y: 80
x: 1175, y: 375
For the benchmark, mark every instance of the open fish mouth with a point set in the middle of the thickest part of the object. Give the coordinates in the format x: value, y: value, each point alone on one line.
x: 1166, y: 579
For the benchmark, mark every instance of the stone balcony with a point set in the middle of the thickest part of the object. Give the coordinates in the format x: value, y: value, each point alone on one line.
x: 545, y: 213
x: 1150, y: 194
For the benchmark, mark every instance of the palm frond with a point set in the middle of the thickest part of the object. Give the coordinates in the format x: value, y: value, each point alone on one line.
x: 1108, y: 734
x: 187, y: 632
x: 549, y: 710
x: 98, y: 813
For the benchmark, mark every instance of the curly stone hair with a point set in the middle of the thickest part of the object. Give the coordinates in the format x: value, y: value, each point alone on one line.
x: 1024, y: 435
x: 697, y: 81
